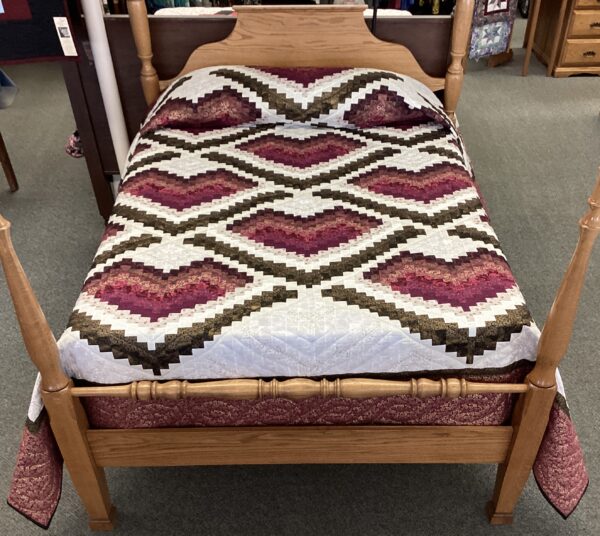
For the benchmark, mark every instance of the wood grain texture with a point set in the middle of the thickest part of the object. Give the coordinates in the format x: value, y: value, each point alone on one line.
x: 567, y: 39
x: 461, y: 33
x: 582, y: 52
x: 556, y: 38
x: 531, y: 414
x: 141, y: 35
x: 175, y: 38
x: 306, y: 36
x: 7, y: 167
x: 558, y: 328
x: 587, y: 3
x: 585, y: 23
x: 299, y: 445
x: 532, y: 22
x: 297, y: 389
x: 37, y: 335
x: 69, y: 425
x: 530, y: 419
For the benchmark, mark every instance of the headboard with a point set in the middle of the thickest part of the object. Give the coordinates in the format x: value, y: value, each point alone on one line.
x: 306, y: 36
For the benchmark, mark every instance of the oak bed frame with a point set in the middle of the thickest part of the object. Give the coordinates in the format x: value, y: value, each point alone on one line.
x: 302, y: 36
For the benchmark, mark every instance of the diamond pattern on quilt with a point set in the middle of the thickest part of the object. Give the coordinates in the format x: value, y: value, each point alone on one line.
x: 285, y: 223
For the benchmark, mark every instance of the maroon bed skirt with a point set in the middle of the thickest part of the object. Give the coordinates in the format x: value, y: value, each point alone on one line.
x: 559, y: 468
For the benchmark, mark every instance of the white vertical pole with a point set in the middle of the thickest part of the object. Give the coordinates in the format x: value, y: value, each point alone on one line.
x: 94, y: 21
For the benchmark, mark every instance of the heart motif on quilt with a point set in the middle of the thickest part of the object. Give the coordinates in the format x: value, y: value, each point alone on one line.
x: 462, y: 283
x: 301, y: 153
x: 221, y: 108
x: 178, y: 193
x: 383, y: 107
x: 305, y: 235
x: 424, y: 185
x: 155, y: 294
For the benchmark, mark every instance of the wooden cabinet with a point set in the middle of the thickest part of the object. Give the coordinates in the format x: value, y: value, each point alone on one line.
x: 572, y: 28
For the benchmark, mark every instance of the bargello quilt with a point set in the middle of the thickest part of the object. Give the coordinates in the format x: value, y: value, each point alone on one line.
x: 300, y: 223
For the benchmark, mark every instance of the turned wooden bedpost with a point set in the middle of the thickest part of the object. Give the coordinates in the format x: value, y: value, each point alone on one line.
x: 531, y: 414
x: 461, y: 34
x: 67, y: 416
x: 37, y: 335
x: 138, y: 18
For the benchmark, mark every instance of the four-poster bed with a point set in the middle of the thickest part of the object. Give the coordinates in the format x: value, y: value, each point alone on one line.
x: 330, y: 38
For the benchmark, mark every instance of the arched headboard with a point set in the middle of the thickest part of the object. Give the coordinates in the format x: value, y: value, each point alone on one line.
x: 307, y: 36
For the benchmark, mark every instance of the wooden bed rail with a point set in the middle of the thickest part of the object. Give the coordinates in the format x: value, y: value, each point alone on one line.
x: 306, y: 36
x: 298, y: 388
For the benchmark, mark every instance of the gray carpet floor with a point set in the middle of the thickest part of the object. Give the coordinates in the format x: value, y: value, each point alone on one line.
x: 534, y: 143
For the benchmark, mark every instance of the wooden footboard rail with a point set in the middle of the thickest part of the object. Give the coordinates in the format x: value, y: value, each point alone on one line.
x: 298, y: 388
x: 87, y: 451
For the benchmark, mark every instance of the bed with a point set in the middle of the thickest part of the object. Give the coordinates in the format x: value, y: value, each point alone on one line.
x: 299, y: 268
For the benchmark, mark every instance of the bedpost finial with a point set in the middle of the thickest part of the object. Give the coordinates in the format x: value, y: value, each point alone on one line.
x: 557, y: 331
x: 138, y: 18
x: 461, y: 34
x: 591, y: 220
x: 37, y: 335
x: 4, y: 224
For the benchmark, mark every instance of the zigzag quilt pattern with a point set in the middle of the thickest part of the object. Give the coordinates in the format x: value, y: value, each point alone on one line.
x: 304, y: 222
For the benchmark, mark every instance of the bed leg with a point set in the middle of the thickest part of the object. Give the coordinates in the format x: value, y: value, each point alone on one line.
x: 533, y: 409
x: 69, y: 424
x: 529, y: 422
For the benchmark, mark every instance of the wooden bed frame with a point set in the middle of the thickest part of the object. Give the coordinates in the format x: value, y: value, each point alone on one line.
x: 281, y: 36
x: 307, y: 36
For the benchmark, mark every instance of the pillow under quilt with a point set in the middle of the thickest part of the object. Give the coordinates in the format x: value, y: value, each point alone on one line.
x: 321, y: 96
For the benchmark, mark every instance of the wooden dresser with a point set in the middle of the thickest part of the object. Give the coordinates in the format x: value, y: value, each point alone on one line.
x: 572, y: 28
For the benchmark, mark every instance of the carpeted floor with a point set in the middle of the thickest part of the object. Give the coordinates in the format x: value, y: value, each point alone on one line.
x: 535, y: 146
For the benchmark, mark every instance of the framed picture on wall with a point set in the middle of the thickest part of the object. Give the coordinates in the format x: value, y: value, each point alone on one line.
x: 496, y: 6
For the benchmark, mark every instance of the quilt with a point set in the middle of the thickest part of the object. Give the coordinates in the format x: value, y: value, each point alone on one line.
x: 493, y: 22
x: 327, y: 224
x: 300, y: 223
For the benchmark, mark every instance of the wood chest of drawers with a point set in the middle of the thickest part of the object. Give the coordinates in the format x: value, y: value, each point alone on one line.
x: 572, y: 28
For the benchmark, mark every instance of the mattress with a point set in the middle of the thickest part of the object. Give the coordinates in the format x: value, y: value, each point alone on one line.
x: 283, y: 223
x: 306, y: 222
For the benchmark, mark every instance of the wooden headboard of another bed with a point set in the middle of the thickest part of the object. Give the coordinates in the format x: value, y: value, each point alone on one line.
x: 307, y: 36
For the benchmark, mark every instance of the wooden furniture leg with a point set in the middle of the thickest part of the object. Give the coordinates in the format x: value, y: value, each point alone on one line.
x: 67, y: 416
x: 7, y: 167
x: 531, y: 414
x: 69, y: 425
x: 534, y: 13
x: 530, y: 419
x: 500, y: 59
x: 556, y: 40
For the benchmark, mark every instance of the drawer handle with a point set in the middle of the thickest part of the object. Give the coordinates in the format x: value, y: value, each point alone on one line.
x: 595, y: 24
x: 589, y: 53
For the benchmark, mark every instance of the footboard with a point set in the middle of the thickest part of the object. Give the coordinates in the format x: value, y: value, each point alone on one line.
x: 86, y: 451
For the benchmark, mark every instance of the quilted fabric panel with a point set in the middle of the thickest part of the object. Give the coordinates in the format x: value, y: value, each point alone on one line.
x: 302, y: 222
